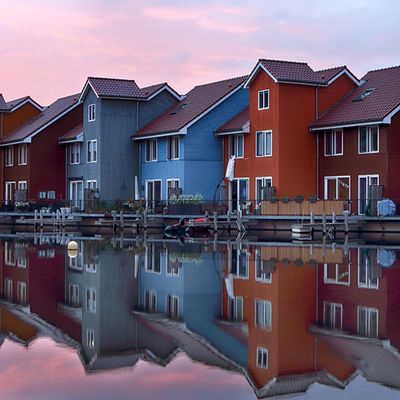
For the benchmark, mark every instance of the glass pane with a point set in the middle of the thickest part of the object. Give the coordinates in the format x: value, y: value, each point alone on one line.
x: 328, y: 143
x: 269, y: 143
x: 374, y: 139
x: 363, y: 140
x: 259, y: 144
x: 339, y: 137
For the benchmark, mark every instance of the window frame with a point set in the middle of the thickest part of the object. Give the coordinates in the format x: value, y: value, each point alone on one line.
x: 171, y: 144
x: 233, y: 145
x: 75, y: 152
x: 332, y: 133
x: 91, y: 112
x: 23, y: 151
x: 152, y: 144
x: 262, y: 92
x: 264, y: 324
x: 263, y: 351
x: 261, y: 178
x: 369, y: 139
x: 91, y: 151
x: 9, y: 156
x: 266, y: 133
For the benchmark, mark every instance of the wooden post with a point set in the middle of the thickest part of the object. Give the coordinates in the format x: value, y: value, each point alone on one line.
x: 346, y: 222
x: 229, y: 222
x: 137, y: 222
x: 215, y: 222
x: 121, y: 220
x: 311, y: 218
x: 35, y: 218
x: 333, y: 216
x: 145, y: 219
x: 324, y: 224
x: 114, y: 220
x: 41, y: 218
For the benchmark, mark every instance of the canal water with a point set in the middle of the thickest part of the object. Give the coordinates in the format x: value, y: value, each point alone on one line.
x: 146, y: 319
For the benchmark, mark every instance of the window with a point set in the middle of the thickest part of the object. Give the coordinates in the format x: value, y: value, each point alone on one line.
x: 50, y: 253
x: 91, y: 112
x: 9, y: 253
x: 173, y: 148
x: 368, y: 139
x: 364, y: 192
x: 92, y: 267
x: 263, y: 143
x: 8, y: 289
x: 240, y: 264
x: 338, y: 274
x: 73, y: 295
x: 91, y: 299
x: 51, y: 194
x: 21, y: 293
x: 92, y: 151
x: 333, y: 315
x: 90, y: 337
x: 153, y: 259
x: 263, y: 99
x: 262, y: 357
x: 172, y: 306
x: 172, y: 187
x: 42, y: 195
x: 91, y: 184
x: 22, y: 185
x: 367, y: 275
x: 235, y: 311
x: 261, y: 184
x: 367, y: 321
x: 262, y: 268
x: 22, y: 154
x: 74, y: 153
x: 9, y: 156
x: 264, y: 314
x: 237, y: 146
x: 150, y: 300
x: 334, y: 142
x: 336, y: 187
x: 151, y: 150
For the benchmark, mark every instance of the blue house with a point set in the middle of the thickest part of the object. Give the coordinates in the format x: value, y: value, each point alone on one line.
x: 180, y: 150
x: 101, y: 156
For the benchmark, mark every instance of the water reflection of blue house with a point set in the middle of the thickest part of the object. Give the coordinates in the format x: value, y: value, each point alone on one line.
x: 185, y: 284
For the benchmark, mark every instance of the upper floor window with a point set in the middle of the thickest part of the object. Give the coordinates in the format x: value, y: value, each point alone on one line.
x: 263, y: 143
x: 334, y: 142
x: 8, y: 157
x: 237, y: 146
x: 91, y: 112
x: 173, y: 148
x: 262, y: 357
x: 263, y: 313
x: 75, y: 153
x: 368, y: 139
x: 263, y: 99
x: 22, y: 154
x: 92, y: 151
x: 91, y: 184
x: 151, y: 150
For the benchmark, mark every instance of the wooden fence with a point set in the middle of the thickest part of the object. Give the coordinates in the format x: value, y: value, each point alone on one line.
x: 306, y: 207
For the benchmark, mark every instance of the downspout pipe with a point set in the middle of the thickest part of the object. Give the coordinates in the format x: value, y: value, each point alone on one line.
x: 316, y: 117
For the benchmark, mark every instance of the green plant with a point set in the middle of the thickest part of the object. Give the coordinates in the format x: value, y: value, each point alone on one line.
x: 186, y: 199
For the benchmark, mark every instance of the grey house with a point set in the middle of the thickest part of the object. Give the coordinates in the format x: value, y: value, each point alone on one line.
x: 100, y: 152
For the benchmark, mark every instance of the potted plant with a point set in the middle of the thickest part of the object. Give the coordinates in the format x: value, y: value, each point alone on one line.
x: 185, y: 204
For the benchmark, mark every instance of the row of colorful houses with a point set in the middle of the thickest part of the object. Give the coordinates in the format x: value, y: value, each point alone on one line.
x: 324, y: 134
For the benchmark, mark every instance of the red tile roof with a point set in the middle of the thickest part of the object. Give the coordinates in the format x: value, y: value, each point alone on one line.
x: 384, y: 96
x: 3, y: 104
x: 329, y: 73
x: 196, y: 102
x: 72, y: 134
x: 39, y: 121
x: 236, y: 123
x: 16, y: 102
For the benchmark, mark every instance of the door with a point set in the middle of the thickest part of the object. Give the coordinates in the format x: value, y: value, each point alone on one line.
x: 364, y: 185
x: 76, y: 194
x: 337, y: 188
x: 153, y: 194
x: 240, y: 193
x: 10, y: 190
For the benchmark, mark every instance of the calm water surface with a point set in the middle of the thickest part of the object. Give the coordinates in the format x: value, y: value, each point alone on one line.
x: 160, y: 319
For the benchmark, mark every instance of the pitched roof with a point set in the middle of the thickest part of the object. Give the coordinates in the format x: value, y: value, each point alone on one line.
x: 124, y: 88
x: 373, y: 101
x: 236, y: 124
x: 37, y: 123
x: 198, y: 101
x: 73, y: 134
x: 329, y: 73
x: 11, y: 105
x: 3, y: 104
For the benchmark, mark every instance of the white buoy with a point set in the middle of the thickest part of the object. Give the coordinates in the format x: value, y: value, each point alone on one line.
x: 72, y: 249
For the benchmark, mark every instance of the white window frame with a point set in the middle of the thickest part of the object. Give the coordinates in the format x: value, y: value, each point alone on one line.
x: 367, y: 284
x: 233, y: 145
x: 9, y: 253
x: 332, y: 323
x: 171, y: 149
x: 261, y: 178
x: 235, y: 308
x: 264, y: 106
x: 22, y: 185
x: 8, y: 289
x: 90, y: 337
x: 263, y: 322
x: 91, y: 300
x: 172, y: 180
x: 368, y: 311
x: 51, y: 194
x: 22, y: 154
x: 336, y: 281
x: 91, y: 112
x: 74, y: 294
x: 369, y: 139
x: 247, y: 258
x: 150, y: 251
x: 264, y: 352
x: 91, y: 184
x: 263, y: 278
x: 91, y: 151
x: 368, y: 177
x: 153, y: 150
x: 21, y: 293
x: 172, y: 299
x: 74, y: 153
x: 333, y: 133
x: 152, y: 295
x: 9, y: 156
x: 265, y: 133
x: 336, y: 178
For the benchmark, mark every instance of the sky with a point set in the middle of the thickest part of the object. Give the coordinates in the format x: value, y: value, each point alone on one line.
x: 49, y: 47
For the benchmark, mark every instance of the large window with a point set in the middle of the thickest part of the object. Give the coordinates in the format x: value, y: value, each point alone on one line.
x: 263, y: 99
x: 263, y: 143
x: 262, y: 267
x: 333, y: 315
x: 263, y: 314
x: 150, y: 300
x: 235, y: 311
x: 261, y: 184
x: 22, y: 154
x: 367, y: 275
x: 151, y: 150
x: 338, y: 274
x: 173, y: 148
x: 75, y: 153
x: 237, y: 146
x: 92, y: 151
x: 334, y: 142
x: 364, y: 188
x: 9, y: 156
x: 91, y: 112
x: 367, y: 321
x: 172, y: 306
x: 240, y: 264
x: 153, y: 259
x: 91, y: 299
x: 368, y: 139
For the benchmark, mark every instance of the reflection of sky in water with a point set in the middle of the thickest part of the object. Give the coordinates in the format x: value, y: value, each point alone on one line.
x: 48, y: 371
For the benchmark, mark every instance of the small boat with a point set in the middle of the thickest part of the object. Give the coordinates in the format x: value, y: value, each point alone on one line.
x: 193, y: 228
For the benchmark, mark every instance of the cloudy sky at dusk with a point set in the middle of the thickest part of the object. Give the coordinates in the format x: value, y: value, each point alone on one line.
x: 48, y: 47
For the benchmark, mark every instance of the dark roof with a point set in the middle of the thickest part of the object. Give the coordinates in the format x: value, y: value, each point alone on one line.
x: 3, y: 104
x: 236, y: 123
x: 329, y: 73
x: 16, y: 102
x: 378, y: 95
x: 124, y: 88
x: 72, y: 134
x: 39, y: 121
x: 197, y: 101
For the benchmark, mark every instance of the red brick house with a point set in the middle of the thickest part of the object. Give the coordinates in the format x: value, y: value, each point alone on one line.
x: 359, y: 141
x: 275, y: 147
x: 33, y: 161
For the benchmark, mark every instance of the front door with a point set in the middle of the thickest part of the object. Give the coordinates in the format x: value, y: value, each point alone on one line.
x: 337, y: 188
x: 153, y: 194
x: 76, y: 194
x: 10, y: 190
x: 240, y: 193
x: 364, y: 186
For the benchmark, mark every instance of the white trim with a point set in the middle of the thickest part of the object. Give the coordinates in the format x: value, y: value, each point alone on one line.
x: 341, y: 314
x: 83, y: 93
x: 368, y: 309
x: 370, y: 123
x: 152, y: 148
x: 330, y: 281
x: 28, y: 100
x: 91, y: 110
x: 333, y: 131
x: 177, y: 137
x: 368, y: 134
x: 20, y: 146
x: 336, y: 177
x: 171, y: 180
x: 159, y: 135
x: 253, y: 74
x: 349, y: 75
x: 233, y: 138
x: 388, y: 118
x: 168, y: 89
x: 269, y: 304
x: 264, y: 351
x: 255, y: 182
x: 368, y: 176
x: 258, y: 99
x: 267, y: 155
x: 229, y: 133
x: 78, y: 139
x: 91, y: 161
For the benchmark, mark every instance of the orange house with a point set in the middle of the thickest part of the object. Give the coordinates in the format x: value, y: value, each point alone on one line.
x: 274, y: 147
